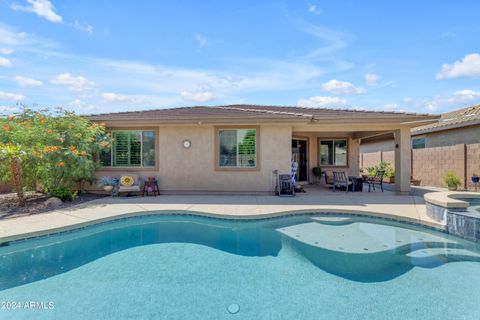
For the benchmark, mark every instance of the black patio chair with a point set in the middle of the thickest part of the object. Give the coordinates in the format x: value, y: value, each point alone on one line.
x: 376, y: 180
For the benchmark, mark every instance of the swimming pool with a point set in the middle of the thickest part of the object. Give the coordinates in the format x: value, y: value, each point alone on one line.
x: 192, y: 267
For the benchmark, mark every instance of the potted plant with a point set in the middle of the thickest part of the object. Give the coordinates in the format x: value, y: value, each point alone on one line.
x: 452, y: 180
x: 317, y: 172
x: 475, y: 180
x: 389, y: 171
x: 108, y: 183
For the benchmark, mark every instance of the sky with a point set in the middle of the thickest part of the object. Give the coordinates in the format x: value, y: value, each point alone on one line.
x: 110, y: 56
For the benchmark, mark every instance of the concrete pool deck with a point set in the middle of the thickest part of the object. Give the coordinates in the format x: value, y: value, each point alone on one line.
x: 387, y: 204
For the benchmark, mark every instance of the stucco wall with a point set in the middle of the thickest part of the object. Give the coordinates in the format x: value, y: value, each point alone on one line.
x: 193, y: 169
x: 465, y: 135
x: 313, y: 153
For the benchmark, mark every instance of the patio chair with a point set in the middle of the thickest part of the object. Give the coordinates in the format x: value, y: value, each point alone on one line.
x: 341, y: 180
x: 328, y: 179
x: 128, y: 183
x: 376, y: 180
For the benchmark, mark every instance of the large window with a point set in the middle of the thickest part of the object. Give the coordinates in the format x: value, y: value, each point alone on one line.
x: 418, y: 143
x: 130, y: 149
x: 333, y: 152
x: 237, y: 148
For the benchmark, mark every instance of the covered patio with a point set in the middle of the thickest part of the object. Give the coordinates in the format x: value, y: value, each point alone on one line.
x: 335, y: 146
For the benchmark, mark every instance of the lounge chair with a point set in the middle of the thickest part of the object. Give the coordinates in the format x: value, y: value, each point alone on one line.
x: 128, y: 183
x: 340, y: 180
x: 376, y: 180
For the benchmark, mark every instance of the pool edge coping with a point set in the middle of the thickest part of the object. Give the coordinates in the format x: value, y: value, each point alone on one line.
x: 93, y: 222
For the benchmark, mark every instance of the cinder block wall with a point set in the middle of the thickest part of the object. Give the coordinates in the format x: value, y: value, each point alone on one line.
x: 431, y: 164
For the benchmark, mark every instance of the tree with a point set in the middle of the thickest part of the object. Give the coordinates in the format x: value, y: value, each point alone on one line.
x: 51, y: 149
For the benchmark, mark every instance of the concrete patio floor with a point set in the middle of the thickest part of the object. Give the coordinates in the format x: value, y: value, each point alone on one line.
x: 387, y: 204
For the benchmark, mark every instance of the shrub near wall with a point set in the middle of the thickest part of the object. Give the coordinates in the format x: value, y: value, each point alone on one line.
x: 48, y: 149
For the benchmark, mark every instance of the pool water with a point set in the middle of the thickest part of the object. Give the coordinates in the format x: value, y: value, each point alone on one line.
x: 297, y: 267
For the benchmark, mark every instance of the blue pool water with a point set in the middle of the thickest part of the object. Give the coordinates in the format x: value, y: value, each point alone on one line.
x: 187, y: 267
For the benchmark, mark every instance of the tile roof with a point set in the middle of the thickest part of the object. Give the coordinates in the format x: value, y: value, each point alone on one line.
x: 458, y: 118
x: 256, y: 112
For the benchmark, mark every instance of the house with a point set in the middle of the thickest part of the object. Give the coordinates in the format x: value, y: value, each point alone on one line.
x: 237, y: 147
x: 451, y: 145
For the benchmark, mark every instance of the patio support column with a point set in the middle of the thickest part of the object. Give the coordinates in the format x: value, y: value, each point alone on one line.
x: 403, y: 161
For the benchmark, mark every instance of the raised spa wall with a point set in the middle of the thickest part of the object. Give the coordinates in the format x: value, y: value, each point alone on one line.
x: 454, y: 211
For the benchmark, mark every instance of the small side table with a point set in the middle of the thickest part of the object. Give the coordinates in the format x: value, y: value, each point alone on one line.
x: 150, y: 186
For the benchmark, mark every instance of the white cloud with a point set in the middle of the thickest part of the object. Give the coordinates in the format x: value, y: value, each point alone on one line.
x: 27, y: 82
x: 119, y: 98
x: 468, y: 67
x: 372, y: 79
x: 451, y: 100
x: 83, y: 27
x: 6, y: 96
x: 42, y: 8
x: 75, y: 83
x: 202, y: 41
x: 6, y: 51
x: 322, y: 101
x: 81, y: 105
x: 342, y: 87
x: 202, y: 94
x: 4, y: 62
x: 313, y: 9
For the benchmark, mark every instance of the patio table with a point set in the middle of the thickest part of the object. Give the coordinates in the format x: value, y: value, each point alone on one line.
x: 357, y: 184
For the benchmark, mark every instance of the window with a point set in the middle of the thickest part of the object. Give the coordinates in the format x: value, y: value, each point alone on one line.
x: 418, y: 143
x: 333, y: 152
x: 130, y: 149
x: 237, y: 148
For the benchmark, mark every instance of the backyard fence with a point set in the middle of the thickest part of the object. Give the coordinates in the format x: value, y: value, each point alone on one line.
x: 429, y: 165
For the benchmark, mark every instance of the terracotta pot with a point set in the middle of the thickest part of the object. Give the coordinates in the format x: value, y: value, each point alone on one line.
x: 108, y: 188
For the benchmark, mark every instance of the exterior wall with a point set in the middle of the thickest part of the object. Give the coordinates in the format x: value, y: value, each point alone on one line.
x: 385, y: 145
x: 372, y: 153
x: 431, y: 164
x: 193, y: 169
x: 465, y: 135
x: 353, y: 165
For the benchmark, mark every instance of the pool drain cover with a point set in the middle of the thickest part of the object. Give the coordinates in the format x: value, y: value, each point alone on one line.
x: 233, y: 308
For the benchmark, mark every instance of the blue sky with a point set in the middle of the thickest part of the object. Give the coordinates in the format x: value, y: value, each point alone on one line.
x: 105, y: 56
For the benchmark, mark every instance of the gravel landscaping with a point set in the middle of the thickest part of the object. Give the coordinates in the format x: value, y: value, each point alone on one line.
x: 36, y: 203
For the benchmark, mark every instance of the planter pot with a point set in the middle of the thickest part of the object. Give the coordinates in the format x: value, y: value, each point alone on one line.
x: 452, y: 188
x: 389, y: 179
x: 416, y: 182
x: 108, y: 188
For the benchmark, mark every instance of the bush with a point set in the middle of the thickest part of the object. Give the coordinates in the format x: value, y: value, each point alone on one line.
x: 49, y: 149
x: 317, y: 171
x: 108, y: 181
x: 382, y: 166
x: 63, y: 193
x: 452, y: 180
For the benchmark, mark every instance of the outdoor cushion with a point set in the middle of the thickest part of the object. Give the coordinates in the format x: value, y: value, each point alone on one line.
x: 126, y: 181
x: 128, y: 188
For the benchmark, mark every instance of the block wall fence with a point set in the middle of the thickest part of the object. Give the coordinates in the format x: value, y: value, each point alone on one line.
x: 429, y: 165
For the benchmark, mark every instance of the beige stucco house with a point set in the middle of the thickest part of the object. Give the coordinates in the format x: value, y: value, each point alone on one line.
x: 236, y: 148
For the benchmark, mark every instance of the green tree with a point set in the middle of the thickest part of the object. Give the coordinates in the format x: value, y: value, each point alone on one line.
x: 51, y: 149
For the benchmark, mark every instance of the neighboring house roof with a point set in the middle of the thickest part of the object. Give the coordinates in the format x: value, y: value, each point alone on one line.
x: 257, y: 112
x: 450, y: 120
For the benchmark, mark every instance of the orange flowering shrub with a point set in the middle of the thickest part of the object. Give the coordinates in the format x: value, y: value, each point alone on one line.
x: 58, y: 148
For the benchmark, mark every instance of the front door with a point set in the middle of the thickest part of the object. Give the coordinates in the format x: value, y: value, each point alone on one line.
x: 299, y: 155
